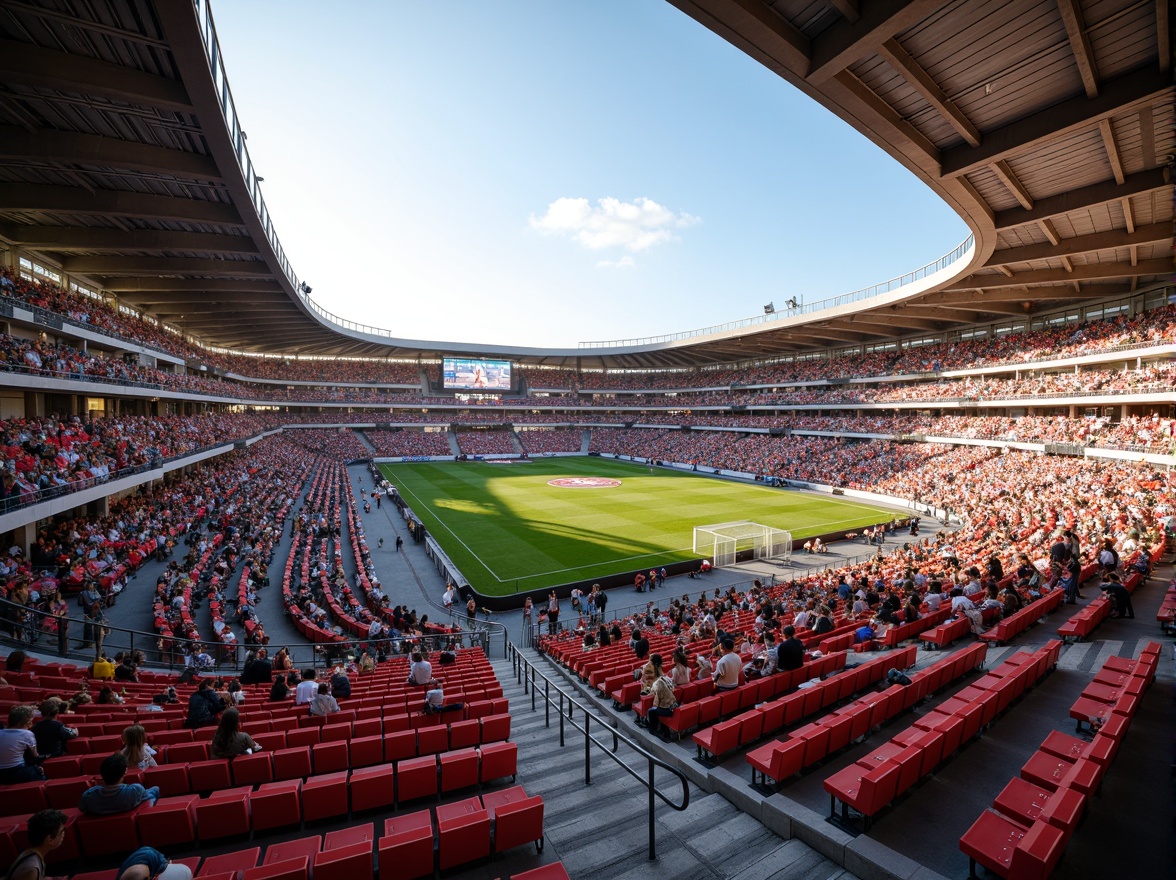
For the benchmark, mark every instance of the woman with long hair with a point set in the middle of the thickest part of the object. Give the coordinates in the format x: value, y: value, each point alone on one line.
x: 229, y: 741
x: 680, y: 674
x: 135, y: 748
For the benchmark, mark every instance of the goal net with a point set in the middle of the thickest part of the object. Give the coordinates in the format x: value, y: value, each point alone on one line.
x: 723, y: 542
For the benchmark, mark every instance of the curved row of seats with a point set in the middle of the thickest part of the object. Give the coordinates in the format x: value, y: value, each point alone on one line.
x: 874, y: 781
x: 413, y: 844
x: 767, y: 718
x: 813, y: 742
x: 229, y: 811
x: 1026, y: 831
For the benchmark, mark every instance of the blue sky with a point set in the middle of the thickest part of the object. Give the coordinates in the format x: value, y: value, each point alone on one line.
x: 545, y: 172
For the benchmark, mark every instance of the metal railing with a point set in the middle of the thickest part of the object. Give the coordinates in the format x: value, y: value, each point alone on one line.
x: 962, y: 249
x: 82, y: 640
x: 529, y: 677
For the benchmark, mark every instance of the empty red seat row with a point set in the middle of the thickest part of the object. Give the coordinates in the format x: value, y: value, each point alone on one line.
x: 780, y: 759
x: 1116, y: 689
x: 877, y: 779
x: 1026, y: 831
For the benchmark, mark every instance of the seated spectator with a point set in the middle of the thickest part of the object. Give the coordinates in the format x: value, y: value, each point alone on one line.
x: 229, y: 741
x: 323, y: 703
x: 107, y: 697
x: 114, y: 795
x: 726, y: 674
x: 46, y: 831
x: 19, y: 759
x: 135, y: 748
x: 15, y: 661
x: 420, y: 673
x: 146, y: 863
x: 279, y: 690
x: 340, y: 684
x: 203, y: 706
x: 790, y: 652
x: 102, y: 668
x: 257, y: 668
x: 307, y: 688
x: 1118, y: 595
x: 51, y: 734
x: 125, y: 670
x: 366, y: 663
x: 640, y: 644
x: 435, y: 700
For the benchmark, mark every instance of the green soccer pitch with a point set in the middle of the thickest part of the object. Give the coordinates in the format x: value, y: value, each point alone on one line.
x: 509, y: 531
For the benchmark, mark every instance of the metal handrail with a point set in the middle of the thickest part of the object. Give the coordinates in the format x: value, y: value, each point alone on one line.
x: 167, y: 652
x: 526, y: 675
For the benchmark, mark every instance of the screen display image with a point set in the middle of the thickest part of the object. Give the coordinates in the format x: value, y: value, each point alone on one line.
x: 473, y: 374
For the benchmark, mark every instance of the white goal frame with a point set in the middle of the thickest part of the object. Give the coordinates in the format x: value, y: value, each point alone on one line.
x: 721, y: 542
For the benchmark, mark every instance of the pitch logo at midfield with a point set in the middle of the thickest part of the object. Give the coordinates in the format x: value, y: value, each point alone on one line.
x: 584, y: 483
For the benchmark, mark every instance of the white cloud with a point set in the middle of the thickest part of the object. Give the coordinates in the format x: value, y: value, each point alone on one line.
x: 611, y: 223
x: 625, y: 262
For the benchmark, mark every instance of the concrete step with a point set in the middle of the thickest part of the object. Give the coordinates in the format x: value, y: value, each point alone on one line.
x: 600, y: 830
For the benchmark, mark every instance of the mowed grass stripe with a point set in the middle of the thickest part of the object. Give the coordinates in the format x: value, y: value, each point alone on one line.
x: 507, y: 530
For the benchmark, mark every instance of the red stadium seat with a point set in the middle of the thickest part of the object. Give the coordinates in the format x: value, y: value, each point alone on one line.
x: 372, y: 787
x: 277, y: 805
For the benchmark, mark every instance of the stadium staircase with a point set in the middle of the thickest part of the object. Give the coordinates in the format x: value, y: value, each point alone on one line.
x: 600, y: 831
x: 362, y: 436
x: 451, y: 437
x: 516, y: 443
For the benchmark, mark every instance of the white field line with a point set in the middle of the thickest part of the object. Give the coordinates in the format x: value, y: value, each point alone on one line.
x: 401, y: 488
x: 657, y: 555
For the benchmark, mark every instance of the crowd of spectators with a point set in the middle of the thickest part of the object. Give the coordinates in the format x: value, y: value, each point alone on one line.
x: 554, y: 440
x: 408, y: 443
x: 486, y: 442
x: 1013, y: 349
x: 345, y: 370
x: 57, y: 453
x: 337, y: 443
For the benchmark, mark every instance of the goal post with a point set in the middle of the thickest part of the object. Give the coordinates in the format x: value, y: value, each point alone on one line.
x: 723, y: 542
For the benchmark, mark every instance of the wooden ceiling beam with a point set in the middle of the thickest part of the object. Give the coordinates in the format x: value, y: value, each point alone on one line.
x: 888, y: 114
x: 1163, y: 23
x: 1048, y: 276
x: 101, y: 239
x: 845, y: 42
x: 1143, y: 86
x: 1082, y: 244
x: 910, y: 70
x: 67, y: 147
x: 1051, y: 231
x: 1080, y: 45
x: 43, y: 69
x: 847, y: 9
x: 130, y: 265
x: 1107, y: 130
x: 755, y: 29
x: 1009, y: 179
x: 19, y: 197
x: 1085, y: 197
x: 127, y: 286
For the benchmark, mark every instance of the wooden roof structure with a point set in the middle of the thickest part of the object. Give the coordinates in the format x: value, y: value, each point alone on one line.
x: 1047, y: 125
